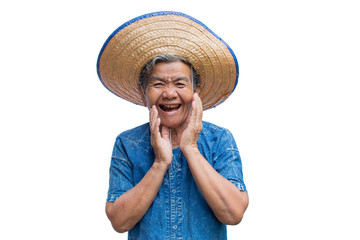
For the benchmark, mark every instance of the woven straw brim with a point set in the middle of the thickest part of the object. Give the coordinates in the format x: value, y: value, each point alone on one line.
x: 138, y: 41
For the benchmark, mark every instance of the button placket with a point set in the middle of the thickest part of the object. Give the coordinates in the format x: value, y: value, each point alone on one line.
x: 176, y: 202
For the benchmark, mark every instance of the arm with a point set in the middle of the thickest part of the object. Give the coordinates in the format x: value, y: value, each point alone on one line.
x: 226, y: 201
x: 131, y: 206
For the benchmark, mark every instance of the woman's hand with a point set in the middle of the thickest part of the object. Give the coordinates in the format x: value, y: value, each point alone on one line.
x: 193, y: 125
x: 160, y: 141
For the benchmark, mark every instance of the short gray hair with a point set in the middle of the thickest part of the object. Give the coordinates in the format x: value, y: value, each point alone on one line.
x: 167, y: 58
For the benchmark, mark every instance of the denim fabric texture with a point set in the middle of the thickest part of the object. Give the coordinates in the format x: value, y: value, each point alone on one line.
x: 179, y: 210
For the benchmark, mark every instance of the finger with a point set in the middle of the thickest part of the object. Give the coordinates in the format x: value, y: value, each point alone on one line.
x: 157, y: 128
x: 153, y: 117
x: 199, y: 107
x: 156, y: 122
x: 155, y: 125
x: 195, y: 107
x: 156, y: 137
x: 200, y: 103
x: 191, y: 113
x: 198, y: 113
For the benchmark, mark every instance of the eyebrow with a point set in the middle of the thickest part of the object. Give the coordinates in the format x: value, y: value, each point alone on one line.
x: 153, y: 78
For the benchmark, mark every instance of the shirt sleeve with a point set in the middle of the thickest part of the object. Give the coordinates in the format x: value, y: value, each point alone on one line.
x: 227, y: 161
x: 121, y: 172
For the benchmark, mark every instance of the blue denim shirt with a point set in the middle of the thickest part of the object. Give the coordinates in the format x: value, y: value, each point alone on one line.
x: 179, y: 211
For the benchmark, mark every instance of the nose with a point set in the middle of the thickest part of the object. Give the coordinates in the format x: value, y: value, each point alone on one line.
x: 169, y: 92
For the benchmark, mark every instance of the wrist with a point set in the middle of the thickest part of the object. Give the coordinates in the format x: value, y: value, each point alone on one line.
x: 189, y: 149
x: 161, y: 165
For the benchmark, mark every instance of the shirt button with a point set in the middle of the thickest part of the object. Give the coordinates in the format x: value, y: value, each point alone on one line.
x: 174, y: 191
x: 175, y: 227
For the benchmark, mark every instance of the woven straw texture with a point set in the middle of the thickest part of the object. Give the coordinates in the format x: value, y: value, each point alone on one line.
x: 127, y: 51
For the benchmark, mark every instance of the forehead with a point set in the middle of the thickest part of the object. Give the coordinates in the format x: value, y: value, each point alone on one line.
x: 171, y: 70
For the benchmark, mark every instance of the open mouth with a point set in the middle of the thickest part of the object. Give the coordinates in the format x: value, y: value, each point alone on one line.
x: 169, y: 107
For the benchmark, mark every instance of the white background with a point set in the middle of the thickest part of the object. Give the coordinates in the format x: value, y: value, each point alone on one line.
x: 294, y: 114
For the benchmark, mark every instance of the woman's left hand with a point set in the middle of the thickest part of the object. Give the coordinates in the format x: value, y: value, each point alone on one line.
x: 193, y: 125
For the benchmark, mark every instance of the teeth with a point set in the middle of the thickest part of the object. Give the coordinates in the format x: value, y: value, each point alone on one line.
x: 169, y: 107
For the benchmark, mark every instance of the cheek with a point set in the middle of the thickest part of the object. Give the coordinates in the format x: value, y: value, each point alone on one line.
x: 187, y: 96
x: 148, y: 101
x: 150, y: 98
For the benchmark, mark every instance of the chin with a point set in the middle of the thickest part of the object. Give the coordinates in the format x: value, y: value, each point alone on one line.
x: 171, y: 124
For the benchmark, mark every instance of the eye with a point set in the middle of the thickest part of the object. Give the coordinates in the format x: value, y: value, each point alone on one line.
x: 180, y: 84
x: 157, y: 84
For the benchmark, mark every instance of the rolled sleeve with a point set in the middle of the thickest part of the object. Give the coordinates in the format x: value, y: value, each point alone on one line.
x: 121, y: 172
x: 227, y: 161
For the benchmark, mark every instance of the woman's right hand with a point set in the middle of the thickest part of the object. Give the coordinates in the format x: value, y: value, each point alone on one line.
x: 160, y: 142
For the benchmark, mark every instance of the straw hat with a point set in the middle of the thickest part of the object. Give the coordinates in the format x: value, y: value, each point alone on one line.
x: 139, y: 40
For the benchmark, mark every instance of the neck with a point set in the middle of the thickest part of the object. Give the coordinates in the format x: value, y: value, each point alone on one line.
x: 175, y: 135
x: 175, y: 138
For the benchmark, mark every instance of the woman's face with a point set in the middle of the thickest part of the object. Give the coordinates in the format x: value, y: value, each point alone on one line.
x: 170, y: 90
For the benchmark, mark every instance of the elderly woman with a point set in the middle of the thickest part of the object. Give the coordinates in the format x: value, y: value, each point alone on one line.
x: 176, y: 176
